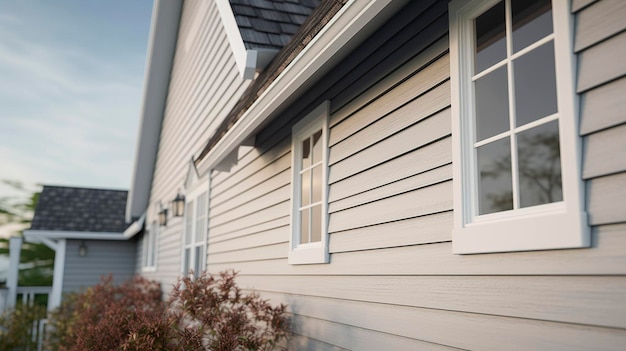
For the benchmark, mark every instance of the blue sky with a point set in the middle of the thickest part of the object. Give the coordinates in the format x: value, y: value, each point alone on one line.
x: 71, y: 82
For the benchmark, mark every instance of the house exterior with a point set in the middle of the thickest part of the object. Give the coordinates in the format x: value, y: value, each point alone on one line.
x: 86, y: 229
x: 407, y: 175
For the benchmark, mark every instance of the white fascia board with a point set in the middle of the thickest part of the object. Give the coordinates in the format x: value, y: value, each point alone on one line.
x: 34, y: 235
x: 354, y: 22
x: 135, y: 227
x: 161, y: 47
x: 249, y: 61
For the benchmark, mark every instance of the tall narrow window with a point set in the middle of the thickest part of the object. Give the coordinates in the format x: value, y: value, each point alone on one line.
x: 149, y: 242
x: 516, y: 159
x: 195, y: 231
x: 309, y: 242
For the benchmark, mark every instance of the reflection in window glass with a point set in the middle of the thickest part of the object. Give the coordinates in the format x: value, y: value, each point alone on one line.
x: 495, y: 180
x: 304, y: 226
x: 317, y: 147
x: 535, y: 85
x: 197, y: 269
x: 539, y: 162
x: 490, y: 38
x: 306, y: 154
x: 492, y: 104
x: 317, y: 184
x: 532, y: 20
x: 188, y: 222
x: 305, y: 188
x: 316, y: 223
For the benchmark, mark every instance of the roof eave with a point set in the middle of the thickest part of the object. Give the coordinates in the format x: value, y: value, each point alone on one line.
x: 249, y: 61
x: 35, y: 234
x: 161, y: 47
x: 353, y: 23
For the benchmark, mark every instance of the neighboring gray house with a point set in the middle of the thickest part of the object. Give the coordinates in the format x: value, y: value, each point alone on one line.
x: 86, y: 229
x: 405, y: 175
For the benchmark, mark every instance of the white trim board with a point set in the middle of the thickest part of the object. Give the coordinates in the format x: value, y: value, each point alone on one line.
x: 32, y: 234
x: 354, y: 22
x: 249, y: 61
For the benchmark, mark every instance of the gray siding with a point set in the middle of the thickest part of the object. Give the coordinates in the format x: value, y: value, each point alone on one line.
x: 392, y: 281
x: 103, y: 257
x: 204, y: 86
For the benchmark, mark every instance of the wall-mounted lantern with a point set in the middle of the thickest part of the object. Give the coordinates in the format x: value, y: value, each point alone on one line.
x: 178, y: 205
x: 82, y: 249
x: 162, y: 216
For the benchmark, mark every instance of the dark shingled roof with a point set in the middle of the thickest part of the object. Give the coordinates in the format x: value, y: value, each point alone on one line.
x: 270, y: 23
x: 80, y: 210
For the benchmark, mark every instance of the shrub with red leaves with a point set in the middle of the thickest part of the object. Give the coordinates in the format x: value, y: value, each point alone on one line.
x: 204, y: 313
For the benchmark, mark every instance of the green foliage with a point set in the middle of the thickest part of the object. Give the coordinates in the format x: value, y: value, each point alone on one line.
x: 205, y: 313
x: 17, y: 327
x: 37, y: 260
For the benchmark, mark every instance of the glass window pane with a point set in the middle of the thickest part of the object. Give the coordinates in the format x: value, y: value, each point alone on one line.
x: 197, y: 268
x: 316, y: 223
x: 490, y: 38
x: 187, y: 261
x: 494, y: 173
x: 304, y: 226
x: 532, y: 20
x: 492, y: 104
x: 305, y: 188
x: 188, y: 222
x: 317, y: 184
x: 317, y: 147
x: 306, y: 153
x: 539, y: 162
x: 200, y: 218
x: 535, y: 85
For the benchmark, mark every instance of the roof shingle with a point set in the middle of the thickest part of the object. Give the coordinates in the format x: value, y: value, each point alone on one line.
x: 257, y: 19
x: 80, y: 209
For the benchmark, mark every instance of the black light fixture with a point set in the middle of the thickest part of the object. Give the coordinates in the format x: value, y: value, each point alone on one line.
x: 82, y: 249
x: 178, y: 205
x: 162, y: 216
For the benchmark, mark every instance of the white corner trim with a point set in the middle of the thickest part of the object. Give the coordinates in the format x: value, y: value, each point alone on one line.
x: 41, y: 235
x: 135, y: 227
x: 161, y: 47
x: 57, y: 279
x: 340, y: 35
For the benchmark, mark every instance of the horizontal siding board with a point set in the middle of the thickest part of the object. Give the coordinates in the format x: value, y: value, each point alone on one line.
x: 242, y: 208
x: 392, y: 100
x: 422, y: 107
x: 599, y: 21
x: 580, y: 4
x: 389, y: 82
x: 423, y: 159
x: 259, y: 253
x: 603, y: 107
x: 215, y: 236
x: 431, y: 199
x: 417, y: 181
x: 262, y: 216
x: 273, y: 176
x: 103, y: 258
x: 596, y: 301
x: 353, y: 338
x: 270, y: 237
x: 412, y: 231
x: 602, y: 63
x: 605, y: 257
x: 420, y: 134
x: 606, y: 199
x: 459, y: 329
x: 605, y: 153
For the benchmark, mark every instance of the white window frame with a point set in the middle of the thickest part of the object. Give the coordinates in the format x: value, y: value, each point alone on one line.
x: 550, y: 226
x: 199, y: 188
x: 150, y: 247
x: 316, y: 252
